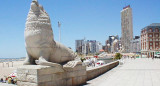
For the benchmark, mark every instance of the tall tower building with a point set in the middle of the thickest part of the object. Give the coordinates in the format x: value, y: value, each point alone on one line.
x: 127, y: 28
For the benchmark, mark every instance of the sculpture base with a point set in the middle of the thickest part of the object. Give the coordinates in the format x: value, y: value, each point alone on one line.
x: 72, y: 74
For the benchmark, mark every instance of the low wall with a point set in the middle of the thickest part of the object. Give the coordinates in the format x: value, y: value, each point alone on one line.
x: 94, y: 72
x: 71, y: 74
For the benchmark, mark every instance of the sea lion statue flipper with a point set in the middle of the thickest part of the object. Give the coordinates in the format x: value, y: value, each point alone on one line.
x: 43, y: 61
x: 28, y: 60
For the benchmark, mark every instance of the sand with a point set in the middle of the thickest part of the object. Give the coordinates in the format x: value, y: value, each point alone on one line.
x: 6, y: 69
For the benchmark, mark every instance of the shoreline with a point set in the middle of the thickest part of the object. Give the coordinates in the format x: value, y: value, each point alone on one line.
x: 11, y: 59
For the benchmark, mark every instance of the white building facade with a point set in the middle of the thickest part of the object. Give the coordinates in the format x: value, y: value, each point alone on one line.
x: 98, y: 47
x: 88, y: 47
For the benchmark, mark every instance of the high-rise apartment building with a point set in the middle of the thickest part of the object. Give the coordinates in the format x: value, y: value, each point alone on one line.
x: 98, y: 47
x: 127, y: 28
x: 80, y: 45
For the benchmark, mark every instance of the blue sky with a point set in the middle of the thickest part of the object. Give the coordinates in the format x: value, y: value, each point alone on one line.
x: 92, y: 19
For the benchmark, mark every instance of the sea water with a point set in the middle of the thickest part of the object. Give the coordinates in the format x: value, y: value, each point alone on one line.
x: 10, y: 59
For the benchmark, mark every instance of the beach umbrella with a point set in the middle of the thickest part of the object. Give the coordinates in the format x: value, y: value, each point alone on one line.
x: 13, y: 74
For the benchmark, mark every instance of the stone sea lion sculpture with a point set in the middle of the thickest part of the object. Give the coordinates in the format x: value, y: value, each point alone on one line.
x: 40, y: 45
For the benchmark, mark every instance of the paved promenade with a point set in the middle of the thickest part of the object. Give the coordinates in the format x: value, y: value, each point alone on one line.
x: 4, y: 84
x: 134, y: 72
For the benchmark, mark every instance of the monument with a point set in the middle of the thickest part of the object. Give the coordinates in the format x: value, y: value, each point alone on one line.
x: 41, y: 47
x: 48, y: 63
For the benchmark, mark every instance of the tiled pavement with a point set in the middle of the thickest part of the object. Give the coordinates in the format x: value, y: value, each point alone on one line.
x: 134, y: 72
x: 5, y: 84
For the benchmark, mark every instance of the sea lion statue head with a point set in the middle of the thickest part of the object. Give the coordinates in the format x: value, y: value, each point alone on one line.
x: 34, y: 6
x: 38, y: 30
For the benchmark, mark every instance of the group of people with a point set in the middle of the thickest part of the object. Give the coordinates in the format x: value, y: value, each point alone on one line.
x: 90, y: 62
x: 134, y: 57
x: 9, y: 80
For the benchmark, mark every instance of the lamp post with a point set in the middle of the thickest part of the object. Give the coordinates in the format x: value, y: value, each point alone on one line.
x: 59, y: 26
x: 12, y: 63
x: 3, y: 64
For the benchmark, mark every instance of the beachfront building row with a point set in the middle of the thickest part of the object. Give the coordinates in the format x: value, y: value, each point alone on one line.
x: 111, y: 44
x: 150, y: 40
x: 136, y: 45
x: 88, y: 46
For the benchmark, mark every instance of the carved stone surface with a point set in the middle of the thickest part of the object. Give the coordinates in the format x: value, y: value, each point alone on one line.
x: 40, y: 46
x: 75, y: 73
x: 72, y: 64
x: 40, y: 75
x: 72, y: 74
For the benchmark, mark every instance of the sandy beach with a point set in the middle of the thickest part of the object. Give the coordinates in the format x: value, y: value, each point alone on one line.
x: 8, y: 67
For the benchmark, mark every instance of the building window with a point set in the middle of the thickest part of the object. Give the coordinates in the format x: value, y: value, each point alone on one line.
x: 150, y: 30
x: 156, y: 35
x: 150, y: 43
x: 157, y: 30
x: 156, y: 43
x: 151, y: 47
x: 150, y: 39
x: 150, y: 35
x: 157, y: 48
x: 156, y: 39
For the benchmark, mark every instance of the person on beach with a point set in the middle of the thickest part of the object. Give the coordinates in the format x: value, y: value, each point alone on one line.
x: 9, y: 80
x: 1, y: 79
x: 6, y: 80
x: 12, y: 81
x: 15, y: 81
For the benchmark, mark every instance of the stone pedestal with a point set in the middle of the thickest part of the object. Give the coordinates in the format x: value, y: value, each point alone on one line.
x: 72, y: 74
x: 75, y: 73
x: 37, y: 75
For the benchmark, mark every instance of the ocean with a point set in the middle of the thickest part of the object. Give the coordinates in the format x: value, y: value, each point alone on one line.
x: 11, y: 59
